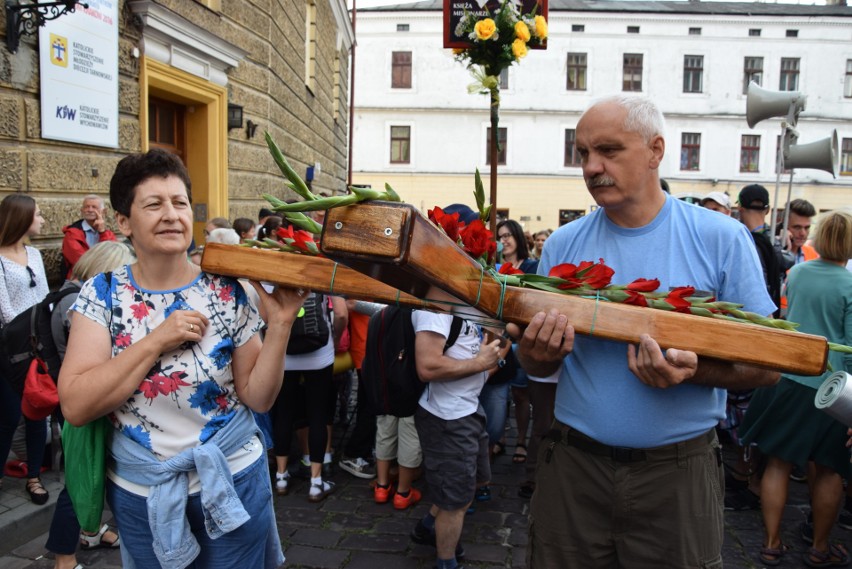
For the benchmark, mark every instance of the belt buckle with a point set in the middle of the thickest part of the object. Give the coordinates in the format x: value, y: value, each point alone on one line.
x: 624, y: 454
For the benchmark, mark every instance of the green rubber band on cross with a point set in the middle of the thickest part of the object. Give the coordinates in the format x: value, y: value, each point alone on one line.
x: 331, y: 285
x: 595, y: 313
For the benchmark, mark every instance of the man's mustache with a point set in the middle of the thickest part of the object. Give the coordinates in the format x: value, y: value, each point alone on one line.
x: 601, y: 180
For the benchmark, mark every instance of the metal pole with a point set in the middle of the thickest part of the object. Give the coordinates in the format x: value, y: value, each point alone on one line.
x: 495, y: 119
x: 351, y: 95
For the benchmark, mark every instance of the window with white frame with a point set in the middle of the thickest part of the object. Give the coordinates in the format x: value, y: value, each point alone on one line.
x: 632, y: 72
x: 693, y: 73
x: 847, y: 81
x: 789, y: 74
x: 690, y: 151
x: 401, y: 70
x: 576, y: 72
x: 749, y: 153
x: 400, y: 144
x: 846, y: 157
x: 752, y: 72
x: 572, y: 157
x: 501, y: 146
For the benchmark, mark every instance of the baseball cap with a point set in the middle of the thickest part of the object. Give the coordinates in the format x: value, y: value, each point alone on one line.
x: 720, y: 198
x: 466, y: 214
x: 754, y: 196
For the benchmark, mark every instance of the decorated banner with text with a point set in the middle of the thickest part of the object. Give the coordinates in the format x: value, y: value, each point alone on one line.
x: 78, y: 60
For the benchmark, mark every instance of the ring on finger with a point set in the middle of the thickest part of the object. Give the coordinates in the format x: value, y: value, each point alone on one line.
x: 192, y: 327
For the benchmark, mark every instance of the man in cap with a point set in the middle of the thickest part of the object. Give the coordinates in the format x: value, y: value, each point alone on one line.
x: 753, y: 207
x: 717, y: 201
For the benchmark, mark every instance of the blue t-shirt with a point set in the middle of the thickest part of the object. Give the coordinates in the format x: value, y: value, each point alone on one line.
x: 685, y: 245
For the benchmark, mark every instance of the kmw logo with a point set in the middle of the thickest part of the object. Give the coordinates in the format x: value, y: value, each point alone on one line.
x: 66, y: 112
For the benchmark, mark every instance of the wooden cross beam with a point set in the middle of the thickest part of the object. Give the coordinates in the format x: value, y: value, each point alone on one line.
x: 395, y: 244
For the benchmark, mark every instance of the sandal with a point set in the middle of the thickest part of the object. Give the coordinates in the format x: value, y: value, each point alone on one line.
x: 36, y: 490
x: 97, y: 541
x: 498, y: 448
x: 772, y: 555
x: 836, y: 556
x: 520, y: 457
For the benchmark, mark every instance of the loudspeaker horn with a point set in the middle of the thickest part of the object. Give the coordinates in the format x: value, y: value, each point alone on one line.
x: 764, y: 104
x: 820, y: 155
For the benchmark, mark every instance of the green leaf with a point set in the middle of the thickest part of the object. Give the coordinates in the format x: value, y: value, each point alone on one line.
x: 297, y: 184
x: 392, y: 195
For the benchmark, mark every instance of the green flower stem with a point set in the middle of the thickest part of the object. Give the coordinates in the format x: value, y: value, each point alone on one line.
x: 296, y: 183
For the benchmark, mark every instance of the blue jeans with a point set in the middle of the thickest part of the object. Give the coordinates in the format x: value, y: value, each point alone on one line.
x: 243, y: 547
x: 495, y: 400
x: 64, y: 536
x: 36, y: 431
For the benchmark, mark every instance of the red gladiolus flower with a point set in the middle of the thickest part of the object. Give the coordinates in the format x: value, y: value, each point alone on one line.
x: 297, y: 238
x: 448, y: 222
x: 508, y: 269
x: 567, y: 272
x: 477, y: 239
x: 595, y: 275
x: 644, y: 285
x: 677, y: 298
x: 635, y: 298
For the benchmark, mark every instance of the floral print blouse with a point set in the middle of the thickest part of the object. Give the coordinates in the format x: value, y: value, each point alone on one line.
x: 188, y: 394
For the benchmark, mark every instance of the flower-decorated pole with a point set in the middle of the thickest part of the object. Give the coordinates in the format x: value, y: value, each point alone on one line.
x: 496, y: 42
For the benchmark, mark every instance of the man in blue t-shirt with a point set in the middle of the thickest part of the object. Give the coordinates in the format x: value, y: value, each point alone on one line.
x: 631, y: 475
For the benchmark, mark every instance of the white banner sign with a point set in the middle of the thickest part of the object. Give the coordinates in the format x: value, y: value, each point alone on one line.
x: 78, y: 57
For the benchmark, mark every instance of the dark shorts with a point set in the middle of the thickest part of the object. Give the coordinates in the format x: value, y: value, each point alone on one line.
x: 455, y: 457
x: 658, y: 508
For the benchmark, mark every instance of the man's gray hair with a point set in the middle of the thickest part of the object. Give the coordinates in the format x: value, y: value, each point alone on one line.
x: 94, y: 197
x: 643, y: 116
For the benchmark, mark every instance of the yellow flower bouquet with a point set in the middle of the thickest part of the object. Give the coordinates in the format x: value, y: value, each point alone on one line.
x: 501, y: 38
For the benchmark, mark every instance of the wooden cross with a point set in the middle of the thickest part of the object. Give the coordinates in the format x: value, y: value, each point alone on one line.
x: 405, y: 255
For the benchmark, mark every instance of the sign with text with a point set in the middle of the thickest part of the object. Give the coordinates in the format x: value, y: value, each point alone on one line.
x: 455, y: 10
x: 78, y: 59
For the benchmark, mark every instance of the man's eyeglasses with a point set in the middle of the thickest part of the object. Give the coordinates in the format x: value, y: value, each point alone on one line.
x: 504, y: 237
x: 32, y: 277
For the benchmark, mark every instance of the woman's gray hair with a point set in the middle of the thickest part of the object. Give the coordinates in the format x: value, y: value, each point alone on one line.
x: 643, y: 115
x: 103, y: 257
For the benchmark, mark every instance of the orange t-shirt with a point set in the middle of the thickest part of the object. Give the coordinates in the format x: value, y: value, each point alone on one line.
x: 358, y: 336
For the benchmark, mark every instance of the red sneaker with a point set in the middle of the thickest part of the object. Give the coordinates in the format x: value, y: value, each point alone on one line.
x: 382, y: 495
x: 401, y: 502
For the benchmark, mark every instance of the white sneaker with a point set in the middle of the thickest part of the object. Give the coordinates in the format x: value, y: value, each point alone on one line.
x: 358, y: 467
x: 282, y: 483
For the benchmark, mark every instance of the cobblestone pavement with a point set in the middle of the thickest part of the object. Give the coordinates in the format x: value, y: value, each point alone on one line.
x: 350, y: 531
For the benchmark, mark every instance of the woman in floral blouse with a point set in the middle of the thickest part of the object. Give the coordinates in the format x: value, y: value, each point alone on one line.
x: 173, y: 357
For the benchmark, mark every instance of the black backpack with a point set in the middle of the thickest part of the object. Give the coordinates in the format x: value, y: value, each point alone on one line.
x: 389, y: 370
x: 29, y: 335
x: 311, y: 329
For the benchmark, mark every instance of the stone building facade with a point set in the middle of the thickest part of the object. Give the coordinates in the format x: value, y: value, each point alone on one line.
x: 183, y: 63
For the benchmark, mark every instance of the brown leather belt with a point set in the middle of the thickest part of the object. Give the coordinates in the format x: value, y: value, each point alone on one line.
x: 569, y: 436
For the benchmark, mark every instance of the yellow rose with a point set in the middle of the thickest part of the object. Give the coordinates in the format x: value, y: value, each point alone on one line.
x: 485, y: 29
x: 540, y: 27
x: 522, y: 31
x: 519, y: 48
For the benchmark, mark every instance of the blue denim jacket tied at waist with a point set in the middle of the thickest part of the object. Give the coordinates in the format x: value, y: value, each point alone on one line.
x: 174, y: 544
